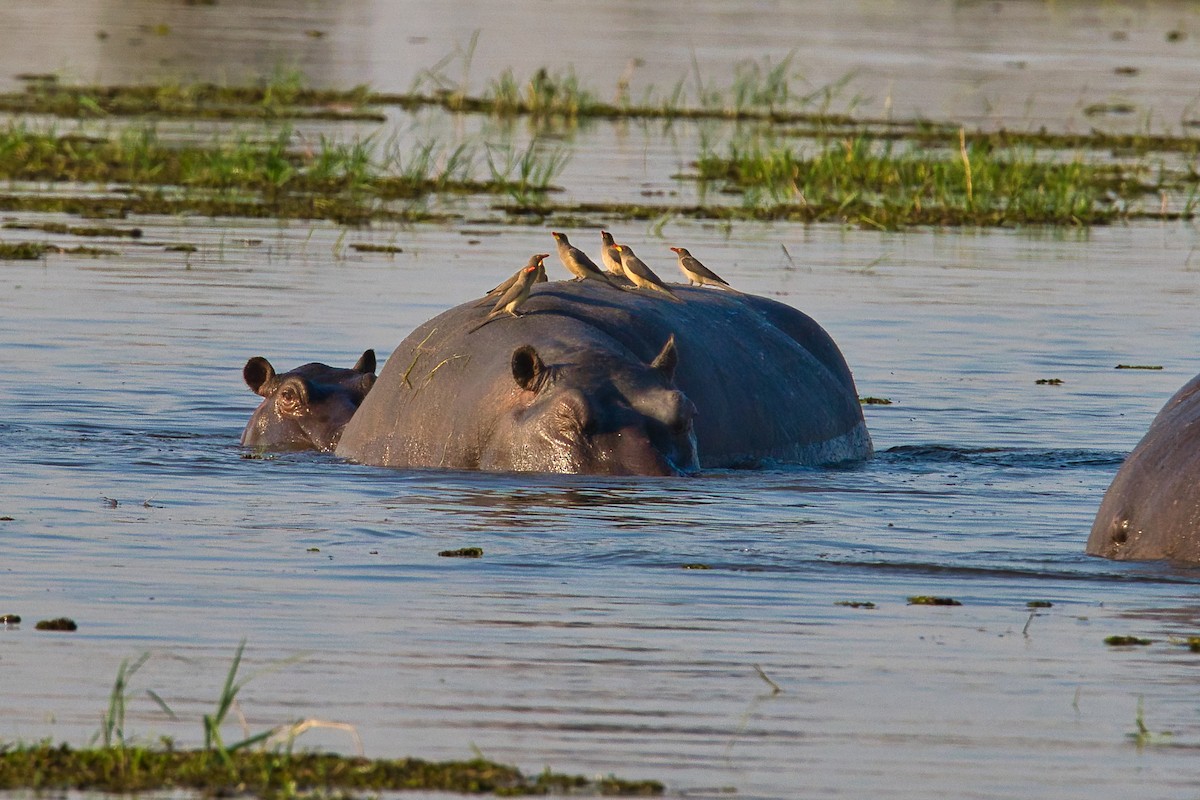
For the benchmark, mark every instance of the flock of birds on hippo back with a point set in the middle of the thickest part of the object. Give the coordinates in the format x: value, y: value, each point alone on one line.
x: 620, y: 265
x: 1151, y: 510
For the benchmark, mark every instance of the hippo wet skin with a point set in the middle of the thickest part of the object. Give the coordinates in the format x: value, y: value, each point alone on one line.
x: 306, y: 408
x: 595, y: 380
x: 1152, y: 508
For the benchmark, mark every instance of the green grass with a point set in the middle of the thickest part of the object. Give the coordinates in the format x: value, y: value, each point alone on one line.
x: 889, y: 185
x: 249, y: 768
x: 792, y: 157
x: 283, y: 96
x: 278, y: 176
x: 22, y: 251
x: 541, y: 95
x: 56, y: 768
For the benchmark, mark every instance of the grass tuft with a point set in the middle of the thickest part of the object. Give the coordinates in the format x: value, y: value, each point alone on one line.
x: 219, y: 770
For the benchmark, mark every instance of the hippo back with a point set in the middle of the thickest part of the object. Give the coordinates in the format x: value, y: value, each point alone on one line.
x: 766, y: 381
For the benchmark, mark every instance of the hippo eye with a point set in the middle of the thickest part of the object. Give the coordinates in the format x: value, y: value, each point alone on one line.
x: 292, y: 398
x: 573, y: 406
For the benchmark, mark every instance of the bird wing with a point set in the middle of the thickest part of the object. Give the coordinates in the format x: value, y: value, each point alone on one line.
x: 698, y: 268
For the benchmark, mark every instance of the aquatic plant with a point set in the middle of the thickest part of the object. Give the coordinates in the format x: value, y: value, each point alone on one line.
x: 280, y: 176
x: 1142, y: 735
x: 820, y: 167
x: 543, y: 94
x: 526, y: 175
x: 282, y: 96
x: 22, y: 251
x: 123, y: 767
x: 887, y: 184
x: 45, y: 767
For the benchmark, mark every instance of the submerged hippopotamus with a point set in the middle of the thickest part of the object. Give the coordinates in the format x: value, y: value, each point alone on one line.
x: 306, y: 408
x: 1152, y: 508
x: 592, y: 379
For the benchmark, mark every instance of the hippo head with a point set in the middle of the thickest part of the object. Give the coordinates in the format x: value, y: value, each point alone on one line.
x: 307, y: 408
x: 599, y: 415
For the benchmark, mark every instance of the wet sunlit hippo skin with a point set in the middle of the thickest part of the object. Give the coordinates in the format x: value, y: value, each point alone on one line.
x: 307, y: 408
x: 1152, y: 508
x: 595, y: 380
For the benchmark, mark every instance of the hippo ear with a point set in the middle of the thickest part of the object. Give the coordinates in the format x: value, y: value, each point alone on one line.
x: 259, y: 376
x: 528, y: 369
x: 292, y: 397
x: 366, y: 364
x: 666, y: 361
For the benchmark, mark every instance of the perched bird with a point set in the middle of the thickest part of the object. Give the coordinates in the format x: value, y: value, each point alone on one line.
x: 534, y: 261
x: 577, y: 262
x: 697, y: 273
x: 610, y: 256
x: 642, y: 276
x: 516, y: 294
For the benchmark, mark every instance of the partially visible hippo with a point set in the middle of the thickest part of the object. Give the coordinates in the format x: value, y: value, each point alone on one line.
x: 306, y: 408
x: 592, y: 379
x: 1152, y: 508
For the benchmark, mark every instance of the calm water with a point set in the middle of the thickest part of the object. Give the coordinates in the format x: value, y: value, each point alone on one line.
x: 578, y: 640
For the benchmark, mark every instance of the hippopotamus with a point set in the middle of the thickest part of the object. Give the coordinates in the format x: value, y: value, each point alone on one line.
x: 1152, y: 508
x: 594, y: 379
x: 306, y: 408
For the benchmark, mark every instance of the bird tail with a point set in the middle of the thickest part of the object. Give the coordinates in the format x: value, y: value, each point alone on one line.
x: 667, y: 292
x: 486, y: 320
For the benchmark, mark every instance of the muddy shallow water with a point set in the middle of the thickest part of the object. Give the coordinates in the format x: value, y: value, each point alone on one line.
x: 579, y: 640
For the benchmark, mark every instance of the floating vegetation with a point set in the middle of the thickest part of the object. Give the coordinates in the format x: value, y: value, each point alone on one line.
x: 28, y: 251
x: 463, y: 552
x: 76, y: 230
x: 1138, y: 366
x: 1127, y: 641
x: 930, y: 600
x: 347, y: 182
x: 376, y: 248
x: 284, y: 97
x: 695, y: 566
x: 59, y: 624
x: 94, y: 252
x: 882, y: 184
x: 22, y: 251
x: 874, y: 401
x: 855, y: 603
x: 1039, y: 604
x: 775, y: 687
x: 10, y: 619
x: 123, y: 770
x: 542, y: 95
x: 1049, y: 382
x: 793, y: 160
x: 1142, y: 735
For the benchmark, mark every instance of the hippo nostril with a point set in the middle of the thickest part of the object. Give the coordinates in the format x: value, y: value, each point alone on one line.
x: 1121, y: 535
